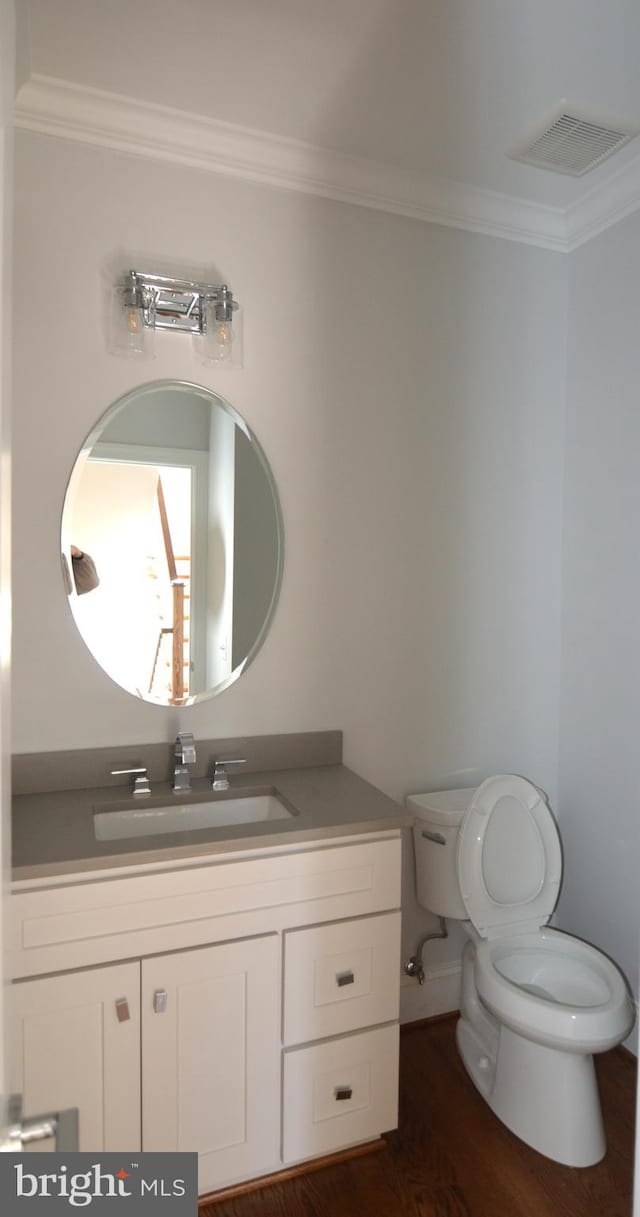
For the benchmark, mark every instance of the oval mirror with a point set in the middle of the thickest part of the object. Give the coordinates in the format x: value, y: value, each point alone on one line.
x: 172, y: 543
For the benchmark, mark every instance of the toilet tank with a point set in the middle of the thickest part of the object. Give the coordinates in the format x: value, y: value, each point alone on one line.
x: 439, y: 815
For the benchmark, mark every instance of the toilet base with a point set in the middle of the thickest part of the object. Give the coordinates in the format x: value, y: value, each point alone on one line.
x: 547, y: 1097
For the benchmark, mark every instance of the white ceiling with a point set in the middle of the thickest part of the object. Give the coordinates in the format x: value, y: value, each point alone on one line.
x: 441, y: 87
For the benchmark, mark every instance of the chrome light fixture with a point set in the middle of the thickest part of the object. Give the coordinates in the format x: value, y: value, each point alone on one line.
x: 144, y: 303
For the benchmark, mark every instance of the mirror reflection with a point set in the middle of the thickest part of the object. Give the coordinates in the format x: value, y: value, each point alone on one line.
x: 172, y: 543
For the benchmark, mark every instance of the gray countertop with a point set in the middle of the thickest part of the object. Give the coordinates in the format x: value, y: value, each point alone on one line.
x: 53, y: 833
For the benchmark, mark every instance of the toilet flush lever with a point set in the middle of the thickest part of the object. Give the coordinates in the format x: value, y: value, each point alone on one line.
x: 436, y: 837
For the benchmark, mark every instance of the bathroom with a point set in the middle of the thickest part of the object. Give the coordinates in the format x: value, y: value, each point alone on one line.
x: 447, y: 409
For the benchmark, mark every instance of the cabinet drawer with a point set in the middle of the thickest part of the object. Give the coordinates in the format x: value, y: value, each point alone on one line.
x: 340, y: 1093
x: 341, y: 977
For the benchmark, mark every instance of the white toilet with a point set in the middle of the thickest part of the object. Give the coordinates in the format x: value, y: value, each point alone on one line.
x: 536, y: 1003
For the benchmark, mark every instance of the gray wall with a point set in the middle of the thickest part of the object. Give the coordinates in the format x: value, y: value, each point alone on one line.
x: 600, y: 703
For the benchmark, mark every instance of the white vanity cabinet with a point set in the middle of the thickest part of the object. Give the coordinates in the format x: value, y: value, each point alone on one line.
x: 256, y: 1023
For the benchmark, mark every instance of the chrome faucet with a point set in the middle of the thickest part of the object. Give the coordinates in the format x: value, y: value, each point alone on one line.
x: 185, y: 754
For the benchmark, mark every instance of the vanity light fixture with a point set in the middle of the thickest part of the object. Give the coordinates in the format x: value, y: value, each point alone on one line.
x: 144, y: 303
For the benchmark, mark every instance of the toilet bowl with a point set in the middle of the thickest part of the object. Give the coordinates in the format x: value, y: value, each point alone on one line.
x: 555, y: 988
x: 536, y: 1003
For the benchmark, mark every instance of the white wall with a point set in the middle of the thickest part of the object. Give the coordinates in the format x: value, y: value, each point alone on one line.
x: 407, y: 384
x: 600, y: 715
x: 7, y: 80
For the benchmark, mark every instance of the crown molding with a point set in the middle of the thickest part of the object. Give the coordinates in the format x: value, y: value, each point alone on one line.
x: 109, y: 120
x: 123, y: 124
x: 617, y: 197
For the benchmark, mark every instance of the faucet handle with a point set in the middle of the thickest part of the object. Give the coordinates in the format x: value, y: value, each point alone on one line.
x: 185, y: 748
x: 140, y: 778
x: 220, y: 780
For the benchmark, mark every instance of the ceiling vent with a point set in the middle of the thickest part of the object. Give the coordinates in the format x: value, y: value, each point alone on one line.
x: 572, y: 140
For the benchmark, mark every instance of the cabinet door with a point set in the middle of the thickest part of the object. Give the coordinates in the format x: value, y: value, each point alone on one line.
x: 76, y: 1043
x: 210, y: 1057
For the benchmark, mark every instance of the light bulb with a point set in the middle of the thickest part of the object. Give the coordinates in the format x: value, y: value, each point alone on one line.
x: 134, y: 329
x: 223, y: 338
x: 134, y: 320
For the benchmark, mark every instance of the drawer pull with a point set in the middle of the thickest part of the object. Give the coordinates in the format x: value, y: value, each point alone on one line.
x: 343, y: 1092
x: 122, y: 1009
x: 437, y: 837
x: 344, y: 978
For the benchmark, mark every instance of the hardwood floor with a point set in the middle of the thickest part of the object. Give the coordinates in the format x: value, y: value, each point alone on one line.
x: 451, y: 1157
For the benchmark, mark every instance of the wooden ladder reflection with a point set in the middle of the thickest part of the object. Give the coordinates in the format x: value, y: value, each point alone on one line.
x: 179, y: 690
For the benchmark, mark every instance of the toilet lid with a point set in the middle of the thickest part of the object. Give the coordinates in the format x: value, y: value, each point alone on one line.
x: 509, y: 857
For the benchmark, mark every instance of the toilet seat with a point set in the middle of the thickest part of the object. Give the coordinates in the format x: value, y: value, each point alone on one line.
x: 509, y: 857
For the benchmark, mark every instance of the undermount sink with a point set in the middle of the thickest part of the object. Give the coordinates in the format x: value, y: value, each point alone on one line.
x: 144, y: 821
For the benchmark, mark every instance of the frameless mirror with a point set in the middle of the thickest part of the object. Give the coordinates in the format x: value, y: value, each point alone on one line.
x: 172, y: 543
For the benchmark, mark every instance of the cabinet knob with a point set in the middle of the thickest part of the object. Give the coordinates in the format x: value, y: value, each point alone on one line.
x: 122, y: 1009
x: 160, y: 1001
x: 342, y: 1093
x: 344, y: 978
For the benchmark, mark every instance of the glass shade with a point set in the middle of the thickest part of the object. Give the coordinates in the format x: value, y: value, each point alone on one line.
x: 222, y: 341
x: 128, y: 333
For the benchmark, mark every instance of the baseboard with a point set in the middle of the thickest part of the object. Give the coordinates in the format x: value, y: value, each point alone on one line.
x: 291, y: 1172
x: 440, y: 993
